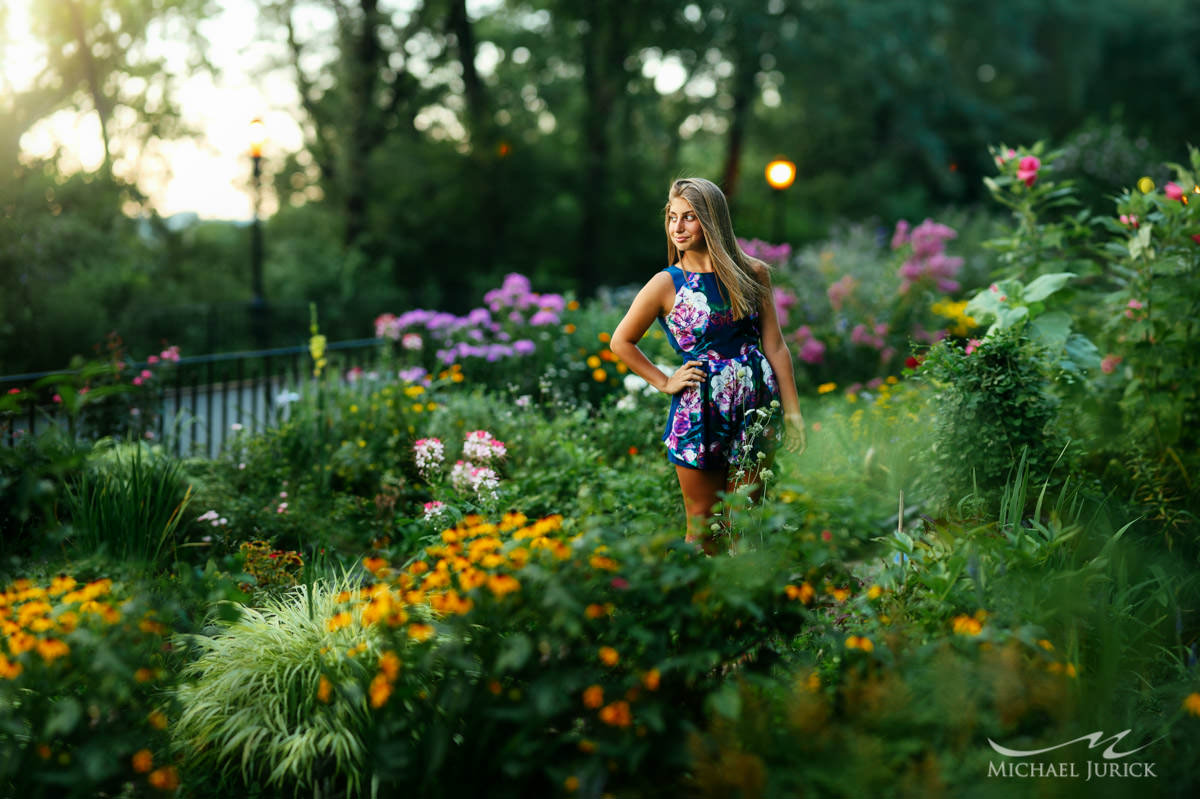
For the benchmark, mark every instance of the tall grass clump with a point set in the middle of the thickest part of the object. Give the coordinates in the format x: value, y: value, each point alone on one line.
x: 274, y: 700
x: 128, y: 504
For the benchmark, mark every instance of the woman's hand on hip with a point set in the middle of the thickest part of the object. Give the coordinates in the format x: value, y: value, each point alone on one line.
x: 689, y: 375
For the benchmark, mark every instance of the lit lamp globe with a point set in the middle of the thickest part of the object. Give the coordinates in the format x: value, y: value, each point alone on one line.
x: 780, y: 174
x: 258, y: 137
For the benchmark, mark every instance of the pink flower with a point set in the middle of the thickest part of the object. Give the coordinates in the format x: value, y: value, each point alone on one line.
x: 973, y: 345
x: 812, y: 351
x: 152, y: 359
x: 900, y: 237
x: 1027, y: 169
x: 14, y: 391
x: 784, y: 302
x: 137, y: 381
x: 1129, y: 219
x: 147, y: 374
x: 57, y: 398
x: 839, y: 291
x: 1173, y: 191
x: 1109, y: 364
x: 619, y: 583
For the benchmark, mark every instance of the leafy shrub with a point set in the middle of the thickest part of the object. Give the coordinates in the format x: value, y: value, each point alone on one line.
x: 80, y: 677
x: 990, y: 405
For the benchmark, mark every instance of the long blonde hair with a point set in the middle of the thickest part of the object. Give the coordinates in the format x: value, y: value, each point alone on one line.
x: 730, y: 263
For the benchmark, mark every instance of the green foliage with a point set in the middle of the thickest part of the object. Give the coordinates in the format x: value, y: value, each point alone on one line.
x: 128, y: 505
x: 33, y: 474
x: 80, y: 688
x: 990, y: 406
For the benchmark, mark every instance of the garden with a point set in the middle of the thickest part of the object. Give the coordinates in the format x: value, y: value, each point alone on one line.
x: 463, y: 571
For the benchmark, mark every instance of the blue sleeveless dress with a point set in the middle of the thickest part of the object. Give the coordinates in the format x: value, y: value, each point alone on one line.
x: 708, y: 424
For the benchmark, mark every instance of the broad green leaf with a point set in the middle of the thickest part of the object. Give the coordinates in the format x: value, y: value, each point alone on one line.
x: 1082, y: 351
x: 1051, y: 330
x: 1044, y: 286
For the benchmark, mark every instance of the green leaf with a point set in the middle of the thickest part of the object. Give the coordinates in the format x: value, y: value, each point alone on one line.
x: 1082, y: 351
x: 514, y: 653
x: 1044, y: 286
x: 726, y: 701
x: 1051, y: 330
x: 63, y: 716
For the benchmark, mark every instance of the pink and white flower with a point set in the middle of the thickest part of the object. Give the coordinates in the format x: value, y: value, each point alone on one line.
x: 429, y: 454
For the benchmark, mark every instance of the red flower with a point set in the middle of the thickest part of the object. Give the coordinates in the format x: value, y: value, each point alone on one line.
x: 912, y: 362
x: 619, y: 583
x: 1028, y: 168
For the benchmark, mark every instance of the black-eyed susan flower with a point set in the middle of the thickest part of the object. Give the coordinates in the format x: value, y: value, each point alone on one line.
x: 616, y: 714
x: 164, y: 779
x: 142, y: 761
x: 593, y: 696
x: 609, y: 656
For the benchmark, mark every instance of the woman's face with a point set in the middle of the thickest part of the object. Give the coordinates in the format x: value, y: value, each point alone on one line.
x: 683, y: 226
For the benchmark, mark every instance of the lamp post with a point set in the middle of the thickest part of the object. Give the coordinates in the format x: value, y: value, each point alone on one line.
x: 258, y: 303
x: 780, y: 174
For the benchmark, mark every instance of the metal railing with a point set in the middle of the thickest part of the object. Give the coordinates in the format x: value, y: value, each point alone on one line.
x: 205, y: 398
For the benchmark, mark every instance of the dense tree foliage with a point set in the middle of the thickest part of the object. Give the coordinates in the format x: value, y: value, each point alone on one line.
x: 450, y: 142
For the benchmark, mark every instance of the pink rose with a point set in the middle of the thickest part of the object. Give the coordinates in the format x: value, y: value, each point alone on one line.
x: 1173, y: 191
x: 1027, y: 169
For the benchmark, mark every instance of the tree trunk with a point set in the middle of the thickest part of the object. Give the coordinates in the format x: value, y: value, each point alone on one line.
x: 745, y: 70
x: 594, y: 192
x: 94, y: 88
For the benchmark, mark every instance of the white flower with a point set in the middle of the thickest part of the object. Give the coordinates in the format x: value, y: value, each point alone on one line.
x: 429, y: 454
x: 286, y: 398
x: 481, y: 446
x: 524, y: 400
x: 236, y: 427
x: 627, y: 403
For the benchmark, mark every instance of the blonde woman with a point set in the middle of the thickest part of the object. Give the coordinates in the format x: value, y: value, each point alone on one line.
x: 716, y: 306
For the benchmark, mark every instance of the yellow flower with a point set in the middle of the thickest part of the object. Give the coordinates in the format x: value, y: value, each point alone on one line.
x: 609, y: 656
x: 603, y: 336
x: 165, y: 779
x: 144, y: 675
x: 860, y: 642
x: 145, y: 625
x: 381, y: 690
x: 599, y: 375
x: 420, y: 632
x: 374, y: 565
x: 414, y: 391
x: 1044, y: 644
x: 1192, y: 703
x: 825, y: 388
x: 603, y: 562
x: 593, y: 362
x: 9, y: 670
x: 571, y: 783
x: 594, y: 611
x: 157, y: 720
x: 143, y: 761
x: 338, y: 621
x: 324, y: 689
x: 573, y: 305
x: 501, y: 584
x: 651, y: 679
x: 874, y: 592
x: 568, y: 328
x: 593, y: 696
x: 966, y: 625
x: 389, y: 665
x: 586, y: 746
x: 804, y: 592
x: 61, y: 584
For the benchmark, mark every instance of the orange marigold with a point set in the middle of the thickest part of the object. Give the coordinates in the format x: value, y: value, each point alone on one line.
x: 142, y: 761
x: 381, y: 690
x: 616, y: 714
x: 609, y: 656
x: 324, y: 689
x: 593, y: 696
x: 164, y: 779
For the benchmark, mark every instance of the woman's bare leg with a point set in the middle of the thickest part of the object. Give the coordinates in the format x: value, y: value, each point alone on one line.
x: 700, y: 489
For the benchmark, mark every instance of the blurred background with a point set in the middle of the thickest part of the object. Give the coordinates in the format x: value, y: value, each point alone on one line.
x: 196, y: 172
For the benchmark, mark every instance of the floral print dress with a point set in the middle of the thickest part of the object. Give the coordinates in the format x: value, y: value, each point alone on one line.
x: 708, y: 427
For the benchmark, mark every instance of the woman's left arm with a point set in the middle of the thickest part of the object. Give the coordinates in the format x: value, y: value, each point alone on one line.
x: 780, y: 358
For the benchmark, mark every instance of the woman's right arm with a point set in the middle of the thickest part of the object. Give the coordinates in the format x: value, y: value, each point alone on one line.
x: 654, y: 299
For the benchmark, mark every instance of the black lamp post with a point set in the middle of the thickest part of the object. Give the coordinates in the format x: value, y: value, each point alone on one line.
x: 258, y: 303
x: 780, y: 174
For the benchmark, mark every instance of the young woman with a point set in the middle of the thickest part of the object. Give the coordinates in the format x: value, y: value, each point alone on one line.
x: 716, y: 306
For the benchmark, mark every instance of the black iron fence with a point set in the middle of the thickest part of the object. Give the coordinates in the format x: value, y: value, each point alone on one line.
x: 199, y: 401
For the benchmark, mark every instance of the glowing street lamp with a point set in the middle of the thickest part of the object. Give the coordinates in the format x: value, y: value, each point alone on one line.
x: 780, y: 173
x: 258, y: 304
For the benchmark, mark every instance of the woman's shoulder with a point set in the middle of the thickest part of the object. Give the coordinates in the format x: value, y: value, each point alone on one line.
x: 759, y: 269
